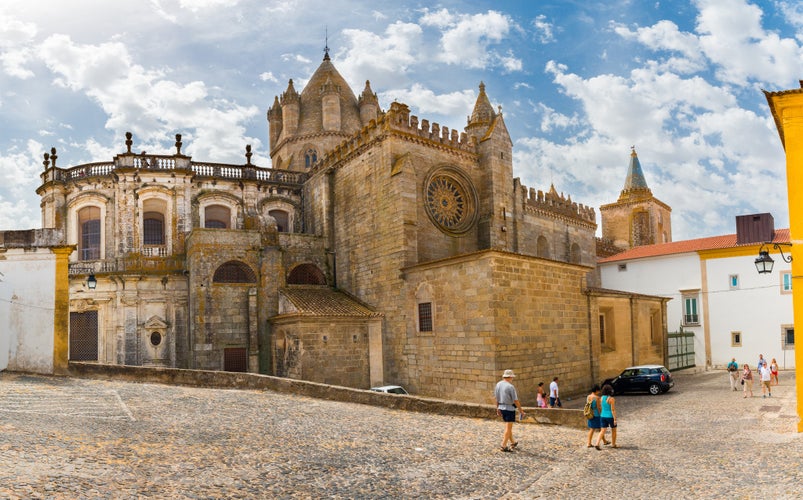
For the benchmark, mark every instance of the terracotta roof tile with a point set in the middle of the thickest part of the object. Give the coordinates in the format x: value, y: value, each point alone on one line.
x: 687, y: 246
x: 323, y: 301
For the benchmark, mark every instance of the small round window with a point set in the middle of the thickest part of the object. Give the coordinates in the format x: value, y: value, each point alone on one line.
x: 156, y: 338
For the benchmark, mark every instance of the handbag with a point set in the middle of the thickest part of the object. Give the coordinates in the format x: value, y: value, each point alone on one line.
x: 742, y: 382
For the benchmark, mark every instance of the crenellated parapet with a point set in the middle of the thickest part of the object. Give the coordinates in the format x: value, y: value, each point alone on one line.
x: 559, y: 204
x: 398, y: 120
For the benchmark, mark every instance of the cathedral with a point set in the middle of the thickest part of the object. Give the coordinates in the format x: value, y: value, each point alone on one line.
x: 378, y: 248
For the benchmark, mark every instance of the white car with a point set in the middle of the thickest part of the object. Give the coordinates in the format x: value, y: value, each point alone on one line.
x: 391, y: 389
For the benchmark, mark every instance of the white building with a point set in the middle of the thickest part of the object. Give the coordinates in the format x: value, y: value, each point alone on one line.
x: 716, y: 291
x: 34, y: 301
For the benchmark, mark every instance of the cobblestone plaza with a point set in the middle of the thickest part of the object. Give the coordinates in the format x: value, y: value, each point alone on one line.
x: 80, y: 438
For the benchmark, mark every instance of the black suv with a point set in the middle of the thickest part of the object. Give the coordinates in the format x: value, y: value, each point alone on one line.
x: 654, y: 379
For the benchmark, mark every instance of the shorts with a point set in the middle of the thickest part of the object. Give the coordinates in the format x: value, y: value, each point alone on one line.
x: 594, y: 423
x: 766, y: 383
x: 553, y: 402
x: 605, y: 422
x: 508, y: 415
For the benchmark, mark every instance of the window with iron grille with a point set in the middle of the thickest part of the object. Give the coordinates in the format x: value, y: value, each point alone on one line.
x: 153, y: 228
x: 234, y: 272
x: 425, y: 317
x: 89, y: 224
x: 306, y: 274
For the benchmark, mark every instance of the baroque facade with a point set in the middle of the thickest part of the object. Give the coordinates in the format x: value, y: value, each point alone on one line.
x: 380, y: 248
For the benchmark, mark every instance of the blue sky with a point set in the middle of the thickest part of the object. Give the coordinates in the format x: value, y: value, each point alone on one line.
x: 579, y: 83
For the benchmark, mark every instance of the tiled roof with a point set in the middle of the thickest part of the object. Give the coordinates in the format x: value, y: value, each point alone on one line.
x: 322, y: 301
x: 686, y: 246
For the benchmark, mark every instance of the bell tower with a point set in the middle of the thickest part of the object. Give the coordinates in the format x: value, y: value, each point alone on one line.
x: 637, y: 218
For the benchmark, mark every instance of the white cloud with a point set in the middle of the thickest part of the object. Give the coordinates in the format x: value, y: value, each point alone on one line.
x: 20, y: 168
x: 455, y: 105
x: 466, y: 39
x: 295, y: 58
x: 15, y: 52
x: 267, y: 76
x: 731, y: 36
x: 380, y: 57
x: 544, y: 29
x: 145, y: 102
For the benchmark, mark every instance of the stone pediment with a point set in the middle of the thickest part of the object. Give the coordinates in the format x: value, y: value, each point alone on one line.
x: 155, y: 322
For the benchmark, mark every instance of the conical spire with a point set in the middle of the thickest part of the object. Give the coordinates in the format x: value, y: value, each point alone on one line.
x: 483, y: 112
x: 635, y: 184
x: 635, y: 176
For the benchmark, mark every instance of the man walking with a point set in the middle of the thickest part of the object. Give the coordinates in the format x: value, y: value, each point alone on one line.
x: 766, y: 376
x: 733, y: 373
x: 507, y: 401
x: 554, y: 396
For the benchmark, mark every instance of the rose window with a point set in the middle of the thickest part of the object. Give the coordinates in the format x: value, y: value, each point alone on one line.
x: 449, y: 203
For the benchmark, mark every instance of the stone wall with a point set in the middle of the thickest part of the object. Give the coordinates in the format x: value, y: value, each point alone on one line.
x: 493, y: 311
x: 327, y: 350
x: 250, y: 381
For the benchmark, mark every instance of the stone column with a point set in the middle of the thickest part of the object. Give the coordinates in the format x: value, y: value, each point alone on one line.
x: 61, y: 311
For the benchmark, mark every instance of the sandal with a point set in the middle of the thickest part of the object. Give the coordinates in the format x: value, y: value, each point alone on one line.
x: 513, y: 445
x: 614, y: 446
x: 506, y: 448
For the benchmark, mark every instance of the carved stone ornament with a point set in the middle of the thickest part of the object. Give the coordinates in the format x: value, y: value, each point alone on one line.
x: 82, y: 305
x: 450, y: 201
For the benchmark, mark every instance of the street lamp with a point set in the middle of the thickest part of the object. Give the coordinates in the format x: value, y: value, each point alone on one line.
x: 764, y: 262
x: 91, y: 282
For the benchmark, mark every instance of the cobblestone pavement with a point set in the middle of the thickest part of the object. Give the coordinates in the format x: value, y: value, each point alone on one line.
x: 80, y: 438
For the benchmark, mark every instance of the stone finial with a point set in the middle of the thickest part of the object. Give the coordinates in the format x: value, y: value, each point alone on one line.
x: 248, y: 154
x: 128, y: 142
x: 46, y: 163
x: 53, y: 156
x: 178, y: 144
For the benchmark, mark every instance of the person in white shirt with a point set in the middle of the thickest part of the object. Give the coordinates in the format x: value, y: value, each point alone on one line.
x: 554, y: 396
x: 766, y: 377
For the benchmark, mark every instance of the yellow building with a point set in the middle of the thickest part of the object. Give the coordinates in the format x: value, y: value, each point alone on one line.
x: 787, y: 111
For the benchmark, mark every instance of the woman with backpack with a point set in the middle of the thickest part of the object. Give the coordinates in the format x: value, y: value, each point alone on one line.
x: 607, y: 416
x: 592, y: 411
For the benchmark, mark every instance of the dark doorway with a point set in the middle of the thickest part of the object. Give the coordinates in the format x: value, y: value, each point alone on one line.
x: 84, y: 336
x: 235, y: 359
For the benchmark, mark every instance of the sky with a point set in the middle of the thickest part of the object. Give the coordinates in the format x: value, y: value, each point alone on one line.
x: 579, y: 83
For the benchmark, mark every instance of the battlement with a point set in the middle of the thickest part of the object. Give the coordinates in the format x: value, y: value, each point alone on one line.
x: 551, y: 201
x: 398, y: 119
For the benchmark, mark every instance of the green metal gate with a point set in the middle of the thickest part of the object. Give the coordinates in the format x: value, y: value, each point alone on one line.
x: 681, y: 350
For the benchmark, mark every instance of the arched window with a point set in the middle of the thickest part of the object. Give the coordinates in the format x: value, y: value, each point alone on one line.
x: 282, y: 220
x: 217, y: 217
x: 543, y: 247
x: 306, y: 274
x: 89, y: 233
x: 153, y: 221
x: 310, y: 157
x: 575, y: 254
x: 234, y: 272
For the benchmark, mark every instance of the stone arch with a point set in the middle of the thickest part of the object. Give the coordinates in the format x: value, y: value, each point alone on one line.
x: 575, y: 254
x: 306, y: 274
x: 214, y: 205
x: 80, y: 211
x: 234, y: 271
x: 543, y: 247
